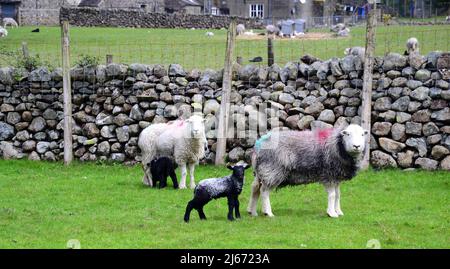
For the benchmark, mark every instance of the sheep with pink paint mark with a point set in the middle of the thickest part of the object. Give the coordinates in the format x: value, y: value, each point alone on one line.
x: 182, y: 140
x: 328, y: 156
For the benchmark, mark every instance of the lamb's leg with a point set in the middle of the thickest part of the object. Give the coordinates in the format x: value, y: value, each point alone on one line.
x: 191, y: 175
x: 337, y: 203
x: 201, y: 214
x: 266, y: 208
x: 189, y: 208
x: 236, y: 208
x: 183, y: 176
x: 254, y: 196
x: 330, y: 188
x: 173, y: 176
x: 230, y: 208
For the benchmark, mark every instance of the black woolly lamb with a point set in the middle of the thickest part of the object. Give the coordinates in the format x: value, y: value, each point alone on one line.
x: 161, y: 168
x: 215, y: 188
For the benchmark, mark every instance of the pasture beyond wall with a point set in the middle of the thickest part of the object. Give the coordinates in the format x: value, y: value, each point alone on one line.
x: 112, y: 104
x: 114, y: 17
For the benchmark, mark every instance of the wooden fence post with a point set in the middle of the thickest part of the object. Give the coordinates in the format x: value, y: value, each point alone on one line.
x: 226, y: 91
x: 367, y: 82
x: 25, y: 51
x: 270, y: 56
x: 109, y: 59
x: 65, y: 46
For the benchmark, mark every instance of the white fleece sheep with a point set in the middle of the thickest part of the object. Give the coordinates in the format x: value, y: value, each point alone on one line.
x: 10, y: 22
x: 240, y: 29
x: 182, y: 140
x: 3, y: 32
x: 412, y: 45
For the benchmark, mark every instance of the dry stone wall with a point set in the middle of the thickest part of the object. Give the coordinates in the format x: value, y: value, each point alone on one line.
x: 112, y: 104
x: 115, y: 17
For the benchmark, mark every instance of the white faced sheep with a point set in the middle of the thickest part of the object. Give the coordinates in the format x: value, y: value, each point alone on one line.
x: 327, y: 156
x: 240, y: 29
x: 9, y: 22
x: 184, y: 140
x: 209, y: 34
x: 215, y: 188
x: 3, y: 32
x: 412, y: 46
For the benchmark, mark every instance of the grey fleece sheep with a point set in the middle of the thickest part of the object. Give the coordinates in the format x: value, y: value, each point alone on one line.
x: 327, y: 156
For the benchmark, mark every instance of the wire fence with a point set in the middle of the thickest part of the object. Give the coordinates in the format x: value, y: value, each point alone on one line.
x: 194, y: 49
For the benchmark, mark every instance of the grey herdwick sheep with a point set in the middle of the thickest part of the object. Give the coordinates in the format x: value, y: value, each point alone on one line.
x: 327, y: 156
x: 356, y: 51
x: 215, y: 188
x: 240, y: 29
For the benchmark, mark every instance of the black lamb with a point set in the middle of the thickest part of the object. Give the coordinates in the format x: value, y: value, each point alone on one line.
x: 161, y: 168
x: 214, y: 188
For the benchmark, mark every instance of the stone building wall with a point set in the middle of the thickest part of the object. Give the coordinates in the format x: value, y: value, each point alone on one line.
x: 112, y: 104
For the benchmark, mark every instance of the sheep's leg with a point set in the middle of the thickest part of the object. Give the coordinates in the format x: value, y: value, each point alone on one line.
x: 231, y: 206
x: 183, y: 176
x: 254, y: 196
x: 266, y: 208
x: 236, y: 208
x: 147, y: 179
x: 337, y: 203
x: 173, y: 176
x: 201, y: 214
x: 191, y: 175
x: 189, y: 208
x: 331, y: 190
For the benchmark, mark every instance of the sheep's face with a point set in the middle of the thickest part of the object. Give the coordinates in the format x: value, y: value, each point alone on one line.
x: 354, y: 139
x: 196, y: 126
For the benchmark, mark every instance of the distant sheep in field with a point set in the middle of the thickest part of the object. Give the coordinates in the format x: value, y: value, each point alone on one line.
x: 215, y: 188
x: 184, y: 140
x: 356, y: 51
x: 10, y: 22
x: 327, y: 156
x: 412, y: 46
x: 272, y: 29
x: 162, y: 168
x: 338, y: 27
x: 3, y: 32
x: 240, y: 29
x: 209, y: 34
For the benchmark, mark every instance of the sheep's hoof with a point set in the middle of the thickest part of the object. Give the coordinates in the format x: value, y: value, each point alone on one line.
x: 182, y: 187
x: 332, y: 214
x: 339, y: 212
x: 192, y: 186
x: 270, y: 215
x: 253, y: 214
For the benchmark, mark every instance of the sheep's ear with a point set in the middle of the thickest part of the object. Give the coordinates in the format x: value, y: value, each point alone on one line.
x: 231, y: 167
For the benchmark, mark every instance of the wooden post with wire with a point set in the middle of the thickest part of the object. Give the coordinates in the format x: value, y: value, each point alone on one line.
x: 67, y: 92
x: 25, y: 52
x: 367, y: 80
x: 270, y: 55
x: 226, y: 91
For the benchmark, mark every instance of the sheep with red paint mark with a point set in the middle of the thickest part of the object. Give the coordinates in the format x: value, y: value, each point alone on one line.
x: 328, y: 156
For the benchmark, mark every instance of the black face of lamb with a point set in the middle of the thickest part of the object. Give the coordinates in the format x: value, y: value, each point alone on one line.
x: 162, y: 168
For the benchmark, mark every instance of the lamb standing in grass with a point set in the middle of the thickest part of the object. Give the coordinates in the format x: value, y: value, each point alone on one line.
x: 327, y: 156
x: 161, y: 168
x: 215, y: 188
x: 184, y: 140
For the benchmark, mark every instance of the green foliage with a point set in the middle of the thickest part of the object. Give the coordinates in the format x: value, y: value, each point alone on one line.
x: 87, y: 61
x: 16, y: 59
x: 44, y: 205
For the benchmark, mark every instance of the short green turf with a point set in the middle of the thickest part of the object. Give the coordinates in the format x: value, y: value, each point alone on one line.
x: 192, y: 49
x: 44, y: 205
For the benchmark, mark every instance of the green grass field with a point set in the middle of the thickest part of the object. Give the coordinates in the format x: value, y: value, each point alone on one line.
x: 193, y: 49
x: 44, y: 205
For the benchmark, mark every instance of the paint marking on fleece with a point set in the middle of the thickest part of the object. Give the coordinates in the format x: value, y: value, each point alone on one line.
x: 260, y: 140
x: 322, y: 135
